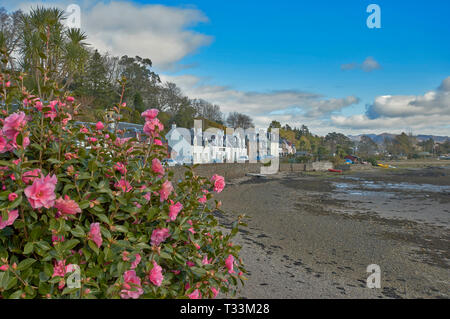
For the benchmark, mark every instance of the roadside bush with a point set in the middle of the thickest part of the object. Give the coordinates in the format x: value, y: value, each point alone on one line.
x: 80, y: 201
x: 372, y: 161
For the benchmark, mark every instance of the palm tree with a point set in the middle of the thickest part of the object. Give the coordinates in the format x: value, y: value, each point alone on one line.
x: 49, y: 51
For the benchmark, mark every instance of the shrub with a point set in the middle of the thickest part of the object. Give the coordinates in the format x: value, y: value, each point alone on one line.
x: 84, y: 201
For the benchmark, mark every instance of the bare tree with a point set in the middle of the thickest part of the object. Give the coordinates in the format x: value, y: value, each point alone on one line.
x: 207, y: 110
x: 240, y: 120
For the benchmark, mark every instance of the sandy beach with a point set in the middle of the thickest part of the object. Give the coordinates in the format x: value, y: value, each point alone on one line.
x: 312, y: 235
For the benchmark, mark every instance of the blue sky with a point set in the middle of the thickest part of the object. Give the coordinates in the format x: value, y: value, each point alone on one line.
x: 286, y: 60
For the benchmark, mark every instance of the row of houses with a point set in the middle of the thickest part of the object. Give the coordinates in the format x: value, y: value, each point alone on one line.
x: 214, y: 145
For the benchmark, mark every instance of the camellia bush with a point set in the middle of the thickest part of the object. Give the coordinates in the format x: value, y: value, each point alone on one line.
x: 87, y: 213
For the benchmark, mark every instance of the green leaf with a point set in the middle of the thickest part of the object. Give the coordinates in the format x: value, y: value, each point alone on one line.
x: 43, y: 245
x: 28, y: 249
x: 121, y: 228
x: 78, y: 231
x: 165, y: 255
x: 12, y: 283
x: 93, y: 246
x: 84, y: 204
x: 16, y: 294
x: 25, y: 264
x: 70, y: 244
x: 200, y: 272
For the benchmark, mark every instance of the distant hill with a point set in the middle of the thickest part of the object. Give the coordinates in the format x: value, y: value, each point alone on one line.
x: 379, y: 138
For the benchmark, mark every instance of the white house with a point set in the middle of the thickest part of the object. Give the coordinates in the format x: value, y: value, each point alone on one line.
x: 211, y: 146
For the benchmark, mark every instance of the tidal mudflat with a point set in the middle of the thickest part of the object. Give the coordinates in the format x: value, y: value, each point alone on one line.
x: 313, y: 235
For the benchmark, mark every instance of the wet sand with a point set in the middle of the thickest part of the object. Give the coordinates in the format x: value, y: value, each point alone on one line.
x: 313, y: 235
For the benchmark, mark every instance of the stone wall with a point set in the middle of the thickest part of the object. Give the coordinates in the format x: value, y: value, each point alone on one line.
x: 227, y: 170
x: 236, y: 170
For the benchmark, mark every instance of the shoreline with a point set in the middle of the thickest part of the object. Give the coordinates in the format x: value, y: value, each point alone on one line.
x: 303, y: 242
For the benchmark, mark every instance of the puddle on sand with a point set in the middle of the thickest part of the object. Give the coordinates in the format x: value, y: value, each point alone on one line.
x: 392, y: 186
x: 384, y: 200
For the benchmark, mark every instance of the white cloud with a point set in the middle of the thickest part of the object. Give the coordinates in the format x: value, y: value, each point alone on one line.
x: 289, y: 106
x: 425, y: 113
x: 368, y: 65
x: 158, y: 32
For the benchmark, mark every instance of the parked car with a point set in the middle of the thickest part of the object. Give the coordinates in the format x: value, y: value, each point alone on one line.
x: 243, y: 159
x: 170, y: 162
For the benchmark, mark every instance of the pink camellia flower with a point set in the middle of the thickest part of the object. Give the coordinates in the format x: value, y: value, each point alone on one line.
x: 67, y: 206
x: 192, y: 228
x: 219, y: 183
x: 12, y: 197
x: 59, y: 268
x: 215, y: 291
x: 13, y: 124
x: 84, y: 130
x: 57, y: 239
x: 174, y: 210
x: 42, y: 192
x: 155, y: 275
x: 123, y: 185
x: 147, y: 196
x: 119, y: 166
x: 95, y: 235
x: 202, y: 199
x: 157, y: 167
x: 159, y: 235
x: 150, y: 114
x: 38, y: 105
x: 4, y: 267
x: 3, y: 144
x: 66, y: 120
x: 70, y: 99
x: 190, y: 263
x: 206, y: 261
x: 12, y: 144
x: 166, y: 190
x: 229, y: 263
x: 132, y: 285
x: 195, y: 294
x: 136, y: 262
x: 157, y: 141
x: 29, y: 176
x: 12, y: 216
x: 99, y: 126
x: 153, y: 126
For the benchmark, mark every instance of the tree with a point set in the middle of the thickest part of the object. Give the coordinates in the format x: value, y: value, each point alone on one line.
x: 141, y: 81
x: 333, y: 140
x: 207, y: 110
x: 274, y: 124
x: 239, y: 120
x: 46, y: 44
x: 9, y: 24
x: 304, y: 144
x: 367, y: 147
x: 427, y: 145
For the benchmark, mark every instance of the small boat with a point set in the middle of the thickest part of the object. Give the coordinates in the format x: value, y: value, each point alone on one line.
x: 383, y: 165
x: 335, y: 170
